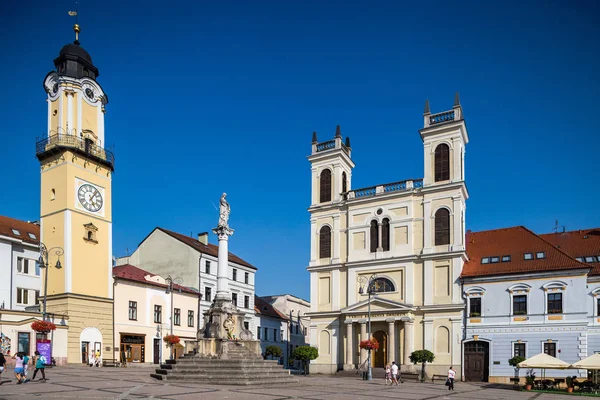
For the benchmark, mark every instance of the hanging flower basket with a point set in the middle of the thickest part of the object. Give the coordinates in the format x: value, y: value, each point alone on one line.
x: 369, y: 344
x: 43, y: 326
x: 172, y: 339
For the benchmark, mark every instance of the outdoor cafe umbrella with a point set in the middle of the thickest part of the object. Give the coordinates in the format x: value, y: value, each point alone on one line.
x: 592, y: 362
x: 544, y: 361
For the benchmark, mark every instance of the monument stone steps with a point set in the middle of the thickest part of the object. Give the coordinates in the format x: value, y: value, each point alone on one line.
x: 229, y: 380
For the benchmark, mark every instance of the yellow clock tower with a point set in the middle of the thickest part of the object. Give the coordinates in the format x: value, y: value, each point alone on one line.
x: 76, y: 171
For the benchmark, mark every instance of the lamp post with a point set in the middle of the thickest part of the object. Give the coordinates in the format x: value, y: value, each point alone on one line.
x: 43, y: 262
x: 169, y: 290
x: 368, y: 285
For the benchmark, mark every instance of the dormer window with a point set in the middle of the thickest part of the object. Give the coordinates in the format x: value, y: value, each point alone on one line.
x: 580, y: 259
x: 505, y: 258
x: 495, y: 260
x: 32, y: 236
x: 590, y: 259
x: 485, y: 260
x: 540, y: 254
x: 16, y: 232
x: 528, y: 256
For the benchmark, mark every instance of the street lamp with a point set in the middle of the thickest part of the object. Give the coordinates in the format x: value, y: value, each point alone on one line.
x: 368, y: 285
x: 169, y: 290
x: 44, y: 263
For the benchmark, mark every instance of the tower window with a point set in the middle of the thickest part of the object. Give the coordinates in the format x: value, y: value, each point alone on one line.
x: 374, y: 233
x: 344, y: 183
x: 53, y: 194
x: 90, y: 233
x: 442, y: 162
x: 385, y: 234
x: 325, y: 188
x: 325, y: 242
x: 442, y: 227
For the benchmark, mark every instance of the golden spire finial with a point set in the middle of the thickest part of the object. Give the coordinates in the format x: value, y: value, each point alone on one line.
x: 77, y: 30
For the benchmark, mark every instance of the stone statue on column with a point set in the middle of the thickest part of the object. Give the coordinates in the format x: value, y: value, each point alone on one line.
x: 224, y: 211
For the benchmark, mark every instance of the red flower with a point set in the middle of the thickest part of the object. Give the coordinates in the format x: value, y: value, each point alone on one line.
x: 172, y: 339
x: 369, y: 344
x: 43, y: 326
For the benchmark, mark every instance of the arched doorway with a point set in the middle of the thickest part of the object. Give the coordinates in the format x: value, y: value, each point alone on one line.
x: 380, y: 356
x: 91, y: 341
x: 477, y: 360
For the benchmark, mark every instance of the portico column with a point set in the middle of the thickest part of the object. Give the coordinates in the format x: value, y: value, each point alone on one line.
x: 349, y: 344
x: 409, y: 341
x: 363, y: 336
x: 392, y: 341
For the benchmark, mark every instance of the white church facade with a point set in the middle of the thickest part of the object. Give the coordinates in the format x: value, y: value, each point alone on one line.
x: 409, y: 233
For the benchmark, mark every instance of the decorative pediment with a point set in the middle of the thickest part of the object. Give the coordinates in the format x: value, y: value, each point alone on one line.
x: 378, y: 305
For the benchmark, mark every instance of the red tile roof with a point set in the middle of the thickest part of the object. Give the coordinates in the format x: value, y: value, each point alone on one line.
x: 209, y: 249
x: 263, y: 308
x: 515, y: 241
x: 135, y: 274
x: 7, y: 224
x: 581, y: 243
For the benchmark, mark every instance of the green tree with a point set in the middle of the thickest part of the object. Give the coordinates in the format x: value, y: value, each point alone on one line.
x: 514, y: 362
x: 423, y: 357
x: 305, y: 354
x: 273, y: 351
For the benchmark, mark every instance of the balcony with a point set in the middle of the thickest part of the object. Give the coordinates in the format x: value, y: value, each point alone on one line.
x: 440, y: 118
x: 401, y: 186
x: 329, y: 145
x: 59, y: 142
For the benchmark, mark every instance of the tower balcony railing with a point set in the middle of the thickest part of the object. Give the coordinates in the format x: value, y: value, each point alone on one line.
x: 330, y: 145
x: 60, y: 141
x: 442, y: 117
x: 400, y: 186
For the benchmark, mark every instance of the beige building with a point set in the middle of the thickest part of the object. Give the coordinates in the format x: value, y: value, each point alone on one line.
x: 143, y: 311
x: 409, y: 234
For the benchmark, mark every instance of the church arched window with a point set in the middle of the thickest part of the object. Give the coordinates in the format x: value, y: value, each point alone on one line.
x: 325, y: 186
x: 442, y: 162
x: 381, y: 285
x: 385, y: 234
x: 325, y: 242
x: 344, y: 183
x: 442, y: 227
x: 374, y: 236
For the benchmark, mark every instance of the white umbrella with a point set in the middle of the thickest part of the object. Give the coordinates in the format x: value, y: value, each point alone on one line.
x: 544, y: 361
x: 592, y: 362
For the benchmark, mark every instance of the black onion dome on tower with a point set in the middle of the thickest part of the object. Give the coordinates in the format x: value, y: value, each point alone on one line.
x: 74, y: 61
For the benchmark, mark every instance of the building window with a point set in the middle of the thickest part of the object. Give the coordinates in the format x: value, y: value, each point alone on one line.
x: 494, y: 260
x: 475, y: 307
x: 297, y: 329
x: 234, y: 299
x: 246, y: 325
x: 23, y: 265
x: 374, y: 234
x: 38, y: 270
x: 385, y: 234
x: 133, y: 310
x: 275, y: 334
x: 258, y: 332
x: 485, y: 260
x: 540, y: 254
x: 37, y: 297
x: 519, y: 350
x: 266, y: 334
x: 589, y: 259
x: 207, y: 267
x: 325, y: 189
x: 246, y: 301
x: 520, y: 304
x: 528, y: 256
x: 381, y: 285
x: 191, y: 318
x: 550, y: 349
x: 442, y: 227
x: 22, y: 296
x: 246, y: 277
x: 344, y: 183
x: 598, y: 306
x: 281, y: 335
x: 442, y: 162
x: 325, y: 242
x: 505, y: 258
x: 177, y: 316
x: 235, y: 274
x: 555, y: 303
x: 207, y: 293
x: 157, y: 314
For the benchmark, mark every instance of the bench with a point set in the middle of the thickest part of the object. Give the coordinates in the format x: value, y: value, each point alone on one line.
x: 111, y: 363
x: 435, y: 376
x: 409, y: 375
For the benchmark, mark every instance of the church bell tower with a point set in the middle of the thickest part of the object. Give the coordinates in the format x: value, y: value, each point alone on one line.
x: 75, y: 203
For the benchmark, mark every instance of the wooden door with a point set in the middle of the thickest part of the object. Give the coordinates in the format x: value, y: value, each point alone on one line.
x: 156, y: 351
x: 476, y: 360
x: 379, y: 356
x: 85, y: 355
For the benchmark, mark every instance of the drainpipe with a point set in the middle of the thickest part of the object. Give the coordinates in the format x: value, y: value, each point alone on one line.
x: 113, y: 322
x: 464, y: 335
x: 199, y: 295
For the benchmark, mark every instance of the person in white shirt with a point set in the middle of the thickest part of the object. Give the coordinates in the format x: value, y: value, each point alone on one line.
x: 451, y: 375
x: 394, y: 373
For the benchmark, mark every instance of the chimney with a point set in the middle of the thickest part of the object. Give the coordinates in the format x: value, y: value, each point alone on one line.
x: 203, y: 238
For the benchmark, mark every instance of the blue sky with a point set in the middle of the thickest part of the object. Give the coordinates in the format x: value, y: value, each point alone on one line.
x: 207, y: 97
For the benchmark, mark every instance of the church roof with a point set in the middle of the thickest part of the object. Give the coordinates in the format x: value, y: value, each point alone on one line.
x: 21, y: 230
x: 521, y: 249
x: 135, y: 274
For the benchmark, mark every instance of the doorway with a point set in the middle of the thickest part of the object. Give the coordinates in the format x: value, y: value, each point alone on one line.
x: 85, y: 352
x: 380, y: 355
x: 156, y: 351
x: 477, y: 360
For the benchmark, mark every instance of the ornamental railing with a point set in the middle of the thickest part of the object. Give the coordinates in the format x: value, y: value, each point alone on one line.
x: 326, y: 145
x: 56, y: 142
x: 400, y: 186
x: 441, y: 117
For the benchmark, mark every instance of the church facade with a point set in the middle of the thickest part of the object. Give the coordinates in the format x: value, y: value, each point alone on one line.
x: 407, y: 237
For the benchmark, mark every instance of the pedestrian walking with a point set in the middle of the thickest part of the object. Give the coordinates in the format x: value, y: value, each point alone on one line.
x: 25, y: 366
x: 388, y: 374
x: 91, y: 358
x: 394, y: 373
x: 40, y: 365
x: 18, y: 357
x: 97, y: 360
x: 2, y: 365
x: 450, y: 380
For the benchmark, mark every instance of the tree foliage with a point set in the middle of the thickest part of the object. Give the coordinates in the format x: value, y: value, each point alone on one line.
x: 422, y: 356
x: 515, y: 361
x: 273, y: 351
x: 305, y: 353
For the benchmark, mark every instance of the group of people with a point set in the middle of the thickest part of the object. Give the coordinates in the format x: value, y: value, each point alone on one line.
x: 22, y: 362
x: 94, y: 359
x: 392, y: 375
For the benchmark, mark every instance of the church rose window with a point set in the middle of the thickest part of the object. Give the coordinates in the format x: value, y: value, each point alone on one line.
x: 325, y: 192
x: 442, y: 227
x: 325, y: 242
x: 442, y: 163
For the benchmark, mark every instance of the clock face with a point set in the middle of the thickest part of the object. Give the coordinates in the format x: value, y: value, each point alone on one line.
x: 89, y: 93
x: 90, y: 198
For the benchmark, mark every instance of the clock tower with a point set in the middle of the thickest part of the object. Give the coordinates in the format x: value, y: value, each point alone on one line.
x: 75, y: 203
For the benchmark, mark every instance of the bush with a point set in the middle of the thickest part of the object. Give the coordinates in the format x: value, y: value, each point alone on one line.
x: 273, y: 351
x: 305, y: 354
x: 515, y: 361
x: 423, y: 357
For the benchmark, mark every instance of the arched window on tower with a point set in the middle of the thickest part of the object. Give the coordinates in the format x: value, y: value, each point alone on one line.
x: 325, y: 242
x: 442, y: 162
x: 325, y: 189
x: 442, y: 227
x: 385, y: 234
x: 344, y: 183
x: 374, y: 233
x: 381, y: 285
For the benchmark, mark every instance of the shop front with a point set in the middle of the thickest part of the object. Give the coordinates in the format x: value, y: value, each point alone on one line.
x: 133, y: 348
